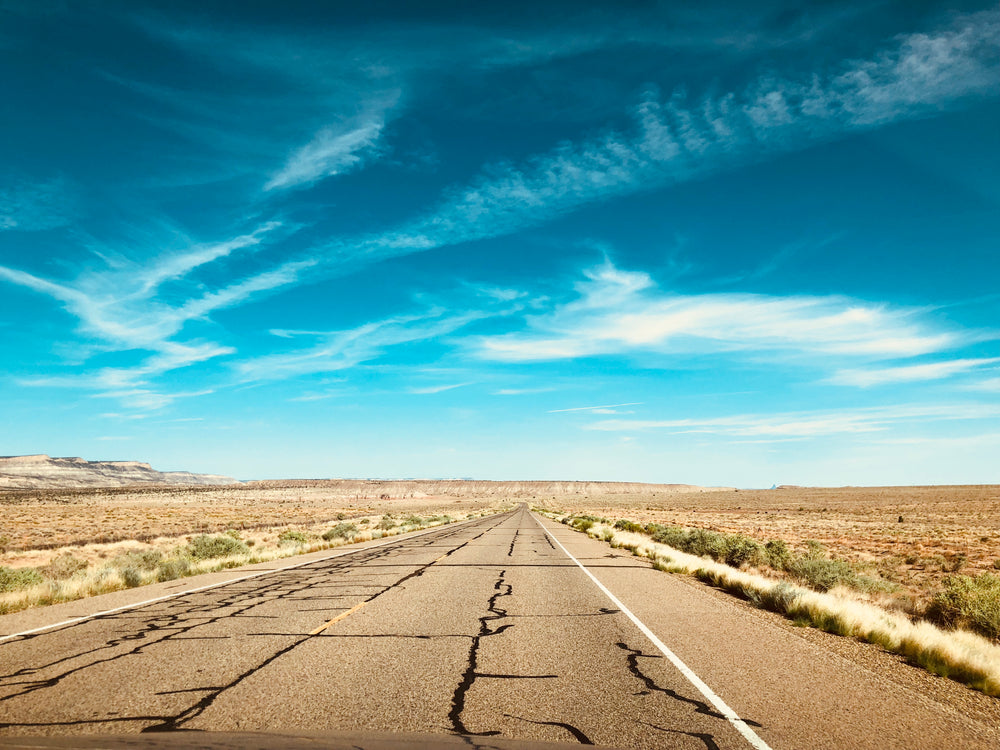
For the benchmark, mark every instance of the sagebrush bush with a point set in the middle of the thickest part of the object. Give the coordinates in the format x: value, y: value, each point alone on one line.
x: 779, y: 556
x: 132, y: 577
x: 175, y: 567
x: 63, y: 566
x: 623, y: 524
x: 821, y: 573
x: 343, y: 530
x: 147, y: 559
x: 14, y: 579
x: 412, y: 521
x: 971, y: 602
x: 387, y: 522
x: 583, y: 524
x: 205, y: 547
x: 290, y: 536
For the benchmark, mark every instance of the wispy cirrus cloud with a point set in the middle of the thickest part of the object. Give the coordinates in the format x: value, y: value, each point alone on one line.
x: 596, y: 409
x: 866, y: 378
x: 123, y: 307
x: 35, y: 206
x: 433, y: 389
x: 334, y: 149
x: 673, y: 141
x: 810, y: 424
x: 342, y: 350
x: 623, y: 312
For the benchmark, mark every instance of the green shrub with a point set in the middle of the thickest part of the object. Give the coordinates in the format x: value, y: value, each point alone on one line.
x: 132, y: 577
x: 387, y: 522
x: 141, y: 560
x: 207, y: 547
x: 821, y: 573
x: 779, y: 556
x: 413, y: 521
x: 63, y: 567
x: 969, y: 602
x: 290, y: 536
x: 175, y: 567
x: 741, y: 550
x: 582, y: 524
x: 14, y: 579
x: 343, y: 530
x: 623, y: 524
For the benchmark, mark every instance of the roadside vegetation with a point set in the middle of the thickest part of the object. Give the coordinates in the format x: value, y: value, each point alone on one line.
x: 68, y: 575
x: 956, y: 635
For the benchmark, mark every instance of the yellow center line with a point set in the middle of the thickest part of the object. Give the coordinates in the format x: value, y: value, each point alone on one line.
x: 338, y: 618
x: 355, y: 608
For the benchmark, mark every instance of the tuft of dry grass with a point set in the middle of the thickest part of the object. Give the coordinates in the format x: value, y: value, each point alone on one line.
x: 957, y: 654
x: 169, y: 558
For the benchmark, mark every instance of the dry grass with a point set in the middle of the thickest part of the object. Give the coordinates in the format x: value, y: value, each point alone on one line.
x: 78, y: 572
x: 44, y: 519
x: 944, y: 531
x: 957, y: 654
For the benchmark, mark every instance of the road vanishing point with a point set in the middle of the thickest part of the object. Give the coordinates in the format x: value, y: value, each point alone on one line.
x: 503, y: 631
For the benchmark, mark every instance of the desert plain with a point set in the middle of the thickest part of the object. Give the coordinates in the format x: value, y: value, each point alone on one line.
x: 912, y: 537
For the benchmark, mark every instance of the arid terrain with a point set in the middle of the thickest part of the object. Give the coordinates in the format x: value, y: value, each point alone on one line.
x: 912, y: 536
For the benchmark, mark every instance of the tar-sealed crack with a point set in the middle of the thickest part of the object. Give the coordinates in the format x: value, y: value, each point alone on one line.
x: 705, y: 737
x: 575, y: 731
x: 155, y: 627
x: 494, y: 612
x: 650, y: 686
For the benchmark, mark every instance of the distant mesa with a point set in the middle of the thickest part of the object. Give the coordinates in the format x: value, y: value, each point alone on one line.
x: 40, y: 472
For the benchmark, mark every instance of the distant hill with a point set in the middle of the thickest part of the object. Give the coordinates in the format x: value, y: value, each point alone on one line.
x: 44, y: 472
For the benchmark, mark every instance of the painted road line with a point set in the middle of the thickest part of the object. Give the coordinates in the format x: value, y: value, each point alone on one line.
x: 741, y: 726
x: 123, y: 608
x: 338, y: 618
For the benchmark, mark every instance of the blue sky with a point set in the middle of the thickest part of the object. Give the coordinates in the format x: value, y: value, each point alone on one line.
x: 714, y: 243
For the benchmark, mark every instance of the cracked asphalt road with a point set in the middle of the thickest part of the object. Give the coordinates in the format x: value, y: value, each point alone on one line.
x: 485, y: 629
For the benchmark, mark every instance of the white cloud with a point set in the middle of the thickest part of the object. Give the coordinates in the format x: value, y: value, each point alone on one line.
x: 122, y: 307
x: 36, y: 206
x: 989, y: 384
x: 620, y: 312
x: 522, y: 391
x: 595, y: 409
x: 866, y: 378
x: 673, y: 141
x: 336, y: 149
x: 806, y: 424
x: 342, y: 350
x: 430, y: 390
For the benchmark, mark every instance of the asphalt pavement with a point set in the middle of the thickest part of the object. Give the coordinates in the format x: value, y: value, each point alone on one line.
x: 505, y: 627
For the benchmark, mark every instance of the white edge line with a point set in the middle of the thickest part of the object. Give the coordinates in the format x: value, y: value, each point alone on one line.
x: 84, y: 618
x: 741, y: 726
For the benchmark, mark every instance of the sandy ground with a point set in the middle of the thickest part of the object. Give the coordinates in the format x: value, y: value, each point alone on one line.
x: 943, y: 529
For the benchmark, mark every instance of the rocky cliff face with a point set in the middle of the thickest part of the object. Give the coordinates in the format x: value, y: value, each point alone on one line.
x: 45, y: 472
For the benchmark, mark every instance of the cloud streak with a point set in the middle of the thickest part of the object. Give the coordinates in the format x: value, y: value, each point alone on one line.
x: 673, y: 141
x: 334, y: 150
x: 909, y: 373
x: 803, y: 425
x: 620, y: 312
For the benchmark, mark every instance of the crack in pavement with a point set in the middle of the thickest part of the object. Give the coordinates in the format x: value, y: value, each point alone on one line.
x: 708, y: 739
x: 577, y: 734
x: 493, y: 612
x: 701, y: 707
x: 182, y: 617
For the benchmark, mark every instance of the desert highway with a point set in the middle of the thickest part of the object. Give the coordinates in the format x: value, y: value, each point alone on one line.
x: 508, y: 626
